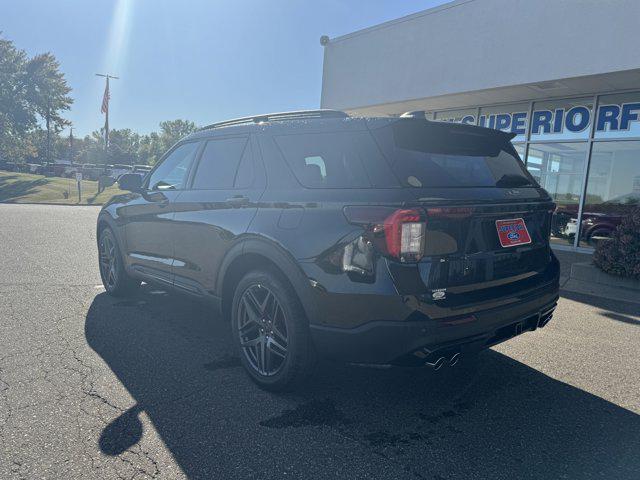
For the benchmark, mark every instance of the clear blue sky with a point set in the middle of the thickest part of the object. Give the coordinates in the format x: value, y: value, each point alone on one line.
x: 202, y: 60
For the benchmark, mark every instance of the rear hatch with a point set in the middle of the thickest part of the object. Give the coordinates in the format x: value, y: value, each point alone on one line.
x: 486, y: 220
x: 463, y: 251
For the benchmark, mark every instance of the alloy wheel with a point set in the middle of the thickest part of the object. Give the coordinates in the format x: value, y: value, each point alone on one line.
x: 108, y: 262
x: 262, y: 329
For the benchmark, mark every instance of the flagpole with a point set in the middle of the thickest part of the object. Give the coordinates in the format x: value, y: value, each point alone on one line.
x: 106, y: 121
x: 106, y: 112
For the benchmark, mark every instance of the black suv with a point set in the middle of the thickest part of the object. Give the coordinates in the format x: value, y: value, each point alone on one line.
x: 395, y: 241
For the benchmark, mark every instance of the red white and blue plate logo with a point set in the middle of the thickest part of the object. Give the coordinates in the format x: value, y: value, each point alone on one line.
x: 512, y: 232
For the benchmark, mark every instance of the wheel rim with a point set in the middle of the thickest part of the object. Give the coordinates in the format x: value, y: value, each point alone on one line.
x: 262, y: 330
x: 108, y: 262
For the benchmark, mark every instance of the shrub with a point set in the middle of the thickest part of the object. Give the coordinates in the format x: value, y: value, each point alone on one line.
x: 620, y: 255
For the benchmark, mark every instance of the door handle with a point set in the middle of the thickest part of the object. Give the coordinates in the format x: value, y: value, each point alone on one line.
x: 238, y: 200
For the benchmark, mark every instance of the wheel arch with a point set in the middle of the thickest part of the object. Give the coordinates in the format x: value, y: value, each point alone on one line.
x: 254, y: 254
x: 105, y: 220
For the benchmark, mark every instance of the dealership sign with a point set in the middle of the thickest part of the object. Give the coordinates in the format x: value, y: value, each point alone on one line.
x: 610, y: 118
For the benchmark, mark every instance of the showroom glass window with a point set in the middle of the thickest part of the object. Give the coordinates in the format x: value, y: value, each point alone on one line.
x: 559, y: 133
x: 569, y: 142
x: 559, y: 169
x: 618, y: 116
x: 613, y: 182
x: 613, y: 189
x: 520, y: 148
x: 562, y: 120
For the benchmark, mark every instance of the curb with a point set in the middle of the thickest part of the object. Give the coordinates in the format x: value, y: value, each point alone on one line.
x: 588, y: 272
x: 587, y: 279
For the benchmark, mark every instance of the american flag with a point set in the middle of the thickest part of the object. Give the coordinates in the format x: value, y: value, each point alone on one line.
x: 105, y: 99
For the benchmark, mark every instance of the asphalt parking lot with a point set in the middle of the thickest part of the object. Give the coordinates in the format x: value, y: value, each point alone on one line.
x: 97, y: 387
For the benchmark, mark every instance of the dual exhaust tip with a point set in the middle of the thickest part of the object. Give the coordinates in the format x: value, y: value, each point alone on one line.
x: 442, y: 361
x: 543, y: 319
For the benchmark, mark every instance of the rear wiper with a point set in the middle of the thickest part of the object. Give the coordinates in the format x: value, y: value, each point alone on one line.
x: 513, y: 181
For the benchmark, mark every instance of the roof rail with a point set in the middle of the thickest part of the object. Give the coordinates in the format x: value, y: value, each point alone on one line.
x: 295, y: 115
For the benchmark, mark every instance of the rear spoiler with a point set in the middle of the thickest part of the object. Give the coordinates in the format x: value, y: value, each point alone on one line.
x: 463, y: 127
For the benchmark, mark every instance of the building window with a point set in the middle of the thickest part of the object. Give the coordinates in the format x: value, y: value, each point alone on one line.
x: 559, y: 168
x: 562, y: 119
x: 508, y: 118
x: 556, y: 136
x: 618, y: 116
x: 613, y: 189
x: 521, y: 149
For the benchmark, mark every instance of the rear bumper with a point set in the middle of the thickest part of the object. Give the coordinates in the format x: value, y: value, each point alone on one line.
x: 414, y: 342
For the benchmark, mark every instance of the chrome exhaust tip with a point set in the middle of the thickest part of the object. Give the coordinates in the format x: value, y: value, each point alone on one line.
x: 518, y: 329
x: 437, y: 365
x: 545, y: 317
x: 455, y: 358
x: 544, y: 320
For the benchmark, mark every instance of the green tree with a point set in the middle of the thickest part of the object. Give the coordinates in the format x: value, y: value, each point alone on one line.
x: 48, y: 93
x: 151, y: 149
x: 91, y: 149
x: 124, y: 146
x: 16, y: 113
x: 173, y: 130
x: 30, y: 89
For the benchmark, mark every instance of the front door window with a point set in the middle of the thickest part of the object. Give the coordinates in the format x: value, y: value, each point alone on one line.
x: 171, y: 174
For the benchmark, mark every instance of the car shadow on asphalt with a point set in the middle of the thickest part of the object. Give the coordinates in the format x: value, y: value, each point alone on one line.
x: 501, y: 416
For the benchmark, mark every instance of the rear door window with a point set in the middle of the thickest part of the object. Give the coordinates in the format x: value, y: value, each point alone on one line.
x: 428, y: 154
x: 336, y: 160
x: 220, y: 164
x: 246, y: 169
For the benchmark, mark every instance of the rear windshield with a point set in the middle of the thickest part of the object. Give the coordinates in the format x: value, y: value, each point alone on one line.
x: 428, y: 154
x: 336, y: 160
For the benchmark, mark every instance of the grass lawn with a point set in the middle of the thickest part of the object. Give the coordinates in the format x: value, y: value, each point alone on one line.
x: 28, y: 188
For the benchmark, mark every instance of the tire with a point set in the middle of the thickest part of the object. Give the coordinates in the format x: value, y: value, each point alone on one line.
x: 115, y: 279
x: 267, y: 317
x: 599, y: 232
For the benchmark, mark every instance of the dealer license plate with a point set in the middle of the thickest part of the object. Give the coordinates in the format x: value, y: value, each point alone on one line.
x: 512, y: 232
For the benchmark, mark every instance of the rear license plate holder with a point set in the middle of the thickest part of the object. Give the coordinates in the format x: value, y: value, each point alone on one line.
x: 512, y: 232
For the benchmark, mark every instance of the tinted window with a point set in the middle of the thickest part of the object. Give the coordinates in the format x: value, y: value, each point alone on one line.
x: 171, y: 174
x: 219, y: 163
x: 336, y: 160
x: 427, y: 154
x: 244, y: 175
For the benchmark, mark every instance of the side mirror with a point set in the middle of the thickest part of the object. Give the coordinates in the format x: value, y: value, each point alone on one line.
x: 130, y: 181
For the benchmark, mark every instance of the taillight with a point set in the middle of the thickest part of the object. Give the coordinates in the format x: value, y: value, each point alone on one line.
x: 397, y: 233
x: 404, y: 235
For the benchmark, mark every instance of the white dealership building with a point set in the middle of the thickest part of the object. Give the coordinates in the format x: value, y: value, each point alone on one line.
x: 563, y: 75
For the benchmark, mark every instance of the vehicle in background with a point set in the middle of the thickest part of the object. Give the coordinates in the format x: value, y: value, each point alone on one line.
x: 119, y: 169
x: 599, y: 220
x: 142, y: 169
x: 394, y: 241
x: 53, y: 169
x: 92, y: 172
